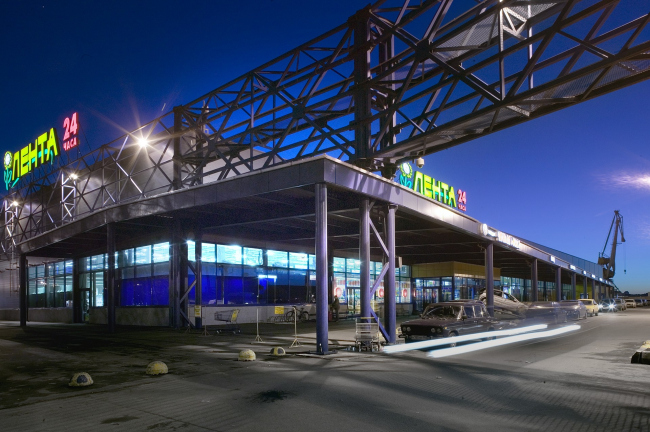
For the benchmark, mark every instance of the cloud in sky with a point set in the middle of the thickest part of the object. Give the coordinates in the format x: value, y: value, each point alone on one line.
x: 637, y: 181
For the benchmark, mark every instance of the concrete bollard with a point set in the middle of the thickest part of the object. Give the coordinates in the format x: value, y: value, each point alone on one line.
x: 247, y: 355
x: 157, y: 368
x: 80, y: 379
x: 278, y: 351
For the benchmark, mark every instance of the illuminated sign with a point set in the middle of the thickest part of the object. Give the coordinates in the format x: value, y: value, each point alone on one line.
x: 42, y: 150
x: 431, y: 188
x: 499, y: 236
x: 71, y: 127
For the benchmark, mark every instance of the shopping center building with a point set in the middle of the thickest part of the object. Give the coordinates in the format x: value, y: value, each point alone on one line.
x: 265, y: 193
x: 252, y: 238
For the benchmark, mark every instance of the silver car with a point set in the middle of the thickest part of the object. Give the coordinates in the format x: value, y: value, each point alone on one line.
x: 505, y: 301
x: 575, y: 309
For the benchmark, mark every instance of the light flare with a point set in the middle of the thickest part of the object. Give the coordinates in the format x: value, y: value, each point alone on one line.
x: 446, y: 352
x: 446, y: 341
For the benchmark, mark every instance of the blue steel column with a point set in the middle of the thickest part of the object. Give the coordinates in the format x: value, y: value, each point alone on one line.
x: 534, y: 282
x: 489, y: 278
x: 573, y: 288
x: 110, y: 276
x: 389, y: 291
x: 584, y: 287
x: 364, y: 256
x: 558, y: 284
x: 198, y: 276
x: 321, y: 269
x: 175, y: 275
x: 22, y: 288
x: 177, y: 157
x: 77, y: 315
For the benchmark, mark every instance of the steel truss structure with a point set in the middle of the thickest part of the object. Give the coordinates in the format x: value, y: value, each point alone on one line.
x: 400, y: 79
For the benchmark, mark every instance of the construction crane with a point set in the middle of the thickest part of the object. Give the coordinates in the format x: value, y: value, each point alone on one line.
x: 609, y: 262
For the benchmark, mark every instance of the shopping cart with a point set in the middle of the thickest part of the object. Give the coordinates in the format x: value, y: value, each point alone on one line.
x: 366, y: 334
x: 229, y: 317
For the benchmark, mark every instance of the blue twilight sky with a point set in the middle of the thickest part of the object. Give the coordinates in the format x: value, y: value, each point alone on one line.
x: 555, y: 180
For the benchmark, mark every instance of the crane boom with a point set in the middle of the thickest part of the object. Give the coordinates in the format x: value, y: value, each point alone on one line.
x: 609, y: 262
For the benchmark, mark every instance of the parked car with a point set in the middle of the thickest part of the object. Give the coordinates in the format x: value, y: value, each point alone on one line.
x: 621, y: 304
x: 610, y: 305
x: 575, y: 309
x: 505, y: 301
x: 630, y: 303
x: 591, y: 305
x: 639, y: 302
x: 548, y: 312
x: 447, y: 320
x: 645, y: 302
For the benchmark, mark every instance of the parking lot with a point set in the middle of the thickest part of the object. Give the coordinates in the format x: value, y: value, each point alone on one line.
x: 578, y: 381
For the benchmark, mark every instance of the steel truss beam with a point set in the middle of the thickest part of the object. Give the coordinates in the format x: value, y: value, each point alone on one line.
x: 400, y: 79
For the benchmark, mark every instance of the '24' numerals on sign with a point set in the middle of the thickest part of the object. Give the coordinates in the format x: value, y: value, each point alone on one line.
x: 71, y: 126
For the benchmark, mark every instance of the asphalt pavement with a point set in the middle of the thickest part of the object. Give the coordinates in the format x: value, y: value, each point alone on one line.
x: 581, y: 380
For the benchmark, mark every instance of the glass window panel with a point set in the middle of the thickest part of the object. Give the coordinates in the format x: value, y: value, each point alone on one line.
x: 279, y: 292
x: 127, y: 272
x: 143, y: 271
x: 68, y: 291
x: 59, y: 291
x: 208, y: 253
x: 97, y: 262
x: 85, y: 264
x: 59, y: 268
x: 353, y: 266
x: 160, y: 291
x: 32, y: 272
x: 191, y: 250
x: 161, y: 269
x: 232, y: 270
x: 209, y: 269
x: 312, y: 262
x: 403, y: 294
x: 126, y: 257
x: 143, y: 255
x: 228, y: 254
x: 69, y: 266
x: 298, y: 261
x: 161, y: 252
x: 253, y: 257
x: 99, y: 290
x: 277, y: 258
x: 298, y: 281
x: 127, y: 293
x: 338, y: 287
x: 251, y: 285
x: 405, y: 271
x: 339, y: 265
x: 142, y: 292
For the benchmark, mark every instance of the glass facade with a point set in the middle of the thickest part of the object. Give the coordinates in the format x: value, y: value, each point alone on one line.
x: 50, y: 285
x: 347, y: 283
x: 231, y: 275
